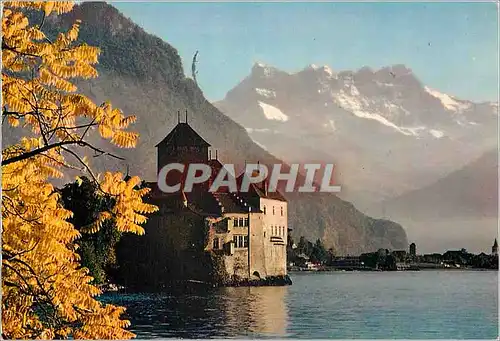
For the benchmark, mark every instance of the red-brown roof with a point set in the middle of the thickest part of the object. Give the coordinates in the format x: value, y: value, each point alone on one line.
x: 213, y: 204
x: 260, y: 189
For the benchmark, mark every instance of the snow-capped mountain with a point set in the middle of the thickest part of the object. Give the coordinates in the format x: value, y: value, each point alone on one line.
x: 385, y: 130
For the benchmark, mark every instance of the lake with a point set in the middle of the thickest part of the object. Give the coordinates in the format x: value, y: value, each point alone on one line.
x: 342, y: 305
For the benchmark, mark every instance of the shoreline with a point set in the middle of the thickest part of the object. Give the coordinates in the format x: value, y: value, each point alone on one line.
x: 194, y: 285
x: 377, y: 270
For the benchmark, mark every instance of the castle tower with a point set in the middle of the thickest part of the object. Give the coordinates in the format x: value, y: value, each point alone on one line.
x: 494, y: 248
x: 413, y: 249
x: 182, y: 145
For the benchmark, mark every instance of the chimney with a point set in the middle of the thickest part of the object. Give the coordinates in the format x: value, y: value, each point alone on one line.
x: 184, y: 199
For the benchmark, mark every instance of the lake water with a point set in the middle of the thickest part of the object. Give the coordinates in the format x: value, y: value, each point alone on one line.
x: 342, y: 305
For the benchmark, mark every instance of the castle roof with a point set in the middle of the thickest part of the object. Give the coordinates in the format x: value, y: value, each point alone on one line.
x: 206, y: 203
x: 260, y: 190
x: 184, y: 135
x: 232, y: 203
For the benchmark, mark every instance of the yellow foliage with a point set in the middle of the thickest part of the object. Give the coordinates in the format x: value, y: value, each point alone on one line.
x: 45, y: 292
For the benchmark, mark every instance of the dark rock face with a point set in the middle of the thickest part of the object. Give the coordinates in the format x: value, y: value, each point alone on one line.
x: 143, y: 75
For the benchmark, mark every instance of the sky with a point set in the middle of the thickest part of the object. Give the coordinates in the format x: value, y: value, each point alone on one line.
x: 452, y: 47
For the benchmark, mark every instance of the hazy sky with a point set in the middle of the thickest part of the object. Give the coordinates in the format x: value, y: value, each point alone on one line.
x: 452, y: 47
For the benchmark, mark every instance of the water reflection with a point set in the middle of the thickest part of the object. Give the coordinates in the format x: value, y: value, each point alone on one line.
x: 227, y: 312
x: 258, y: 310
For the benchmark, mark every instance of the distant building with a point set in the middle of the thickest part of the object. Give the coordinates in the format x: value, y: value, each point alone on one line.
x: 413, y: 249
x: 494, y: 248
x: 400, y: 255
x: 347, y: 262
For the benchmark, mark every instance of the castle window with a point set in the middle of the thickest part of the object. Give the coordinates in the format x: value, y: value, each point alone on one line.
x: 216, y: 243
x: 264, y: 209
x: 240, y: 241
x: 245, y: 240
x: 282, y: 211
x: 273, y: 210
x: 235, y: 241
x: 247, y: 222
x: 264, y: 234
x: 235, y: 222
x: 241, y: 222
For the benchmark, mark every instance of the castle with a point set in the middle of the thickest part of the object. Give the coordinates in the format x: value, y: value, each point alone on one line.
x: 223, y: 237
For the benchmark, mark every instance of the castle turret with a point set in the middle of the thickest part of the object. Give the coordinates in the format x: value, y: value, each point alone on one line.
x: 413, y: 250
x: 494, y: 248
x: 182, y: 145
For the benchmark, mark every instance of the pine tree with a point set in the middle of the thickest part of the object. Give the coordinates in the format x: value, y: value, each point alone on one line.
x: 45, y: 292
x: 319, y: 253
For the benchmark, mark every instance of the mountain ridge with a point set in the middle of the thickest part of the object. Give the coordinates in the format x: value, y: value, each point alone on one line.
x: 387, y: 133
x: 458, y: 210
x: 373, y: 120
x: 468, y: 191
x: 384, y: 72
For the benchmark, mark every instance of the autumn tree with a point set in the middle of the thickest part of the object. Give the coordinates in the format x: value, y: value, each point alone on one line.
x: 46, y: 293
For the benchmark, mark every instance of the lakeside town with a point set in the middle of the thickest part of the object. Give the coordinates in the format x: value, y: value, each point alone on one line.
x: 306, y: 256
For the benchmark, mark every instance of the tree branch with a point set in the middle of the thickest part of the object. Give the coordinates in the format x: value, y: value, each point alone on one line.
x: 37, y: 151
x: 13, y: 49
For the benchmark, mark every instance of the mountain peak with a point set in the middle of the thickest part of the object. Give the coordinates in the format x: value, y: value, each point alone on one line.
x: 106, y: 27
x: 101, y: 15
x: 325, y: 69
x: 396, y: 70
x: 259, y: 65
x: 398, y: 73
x: 260, y: 69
